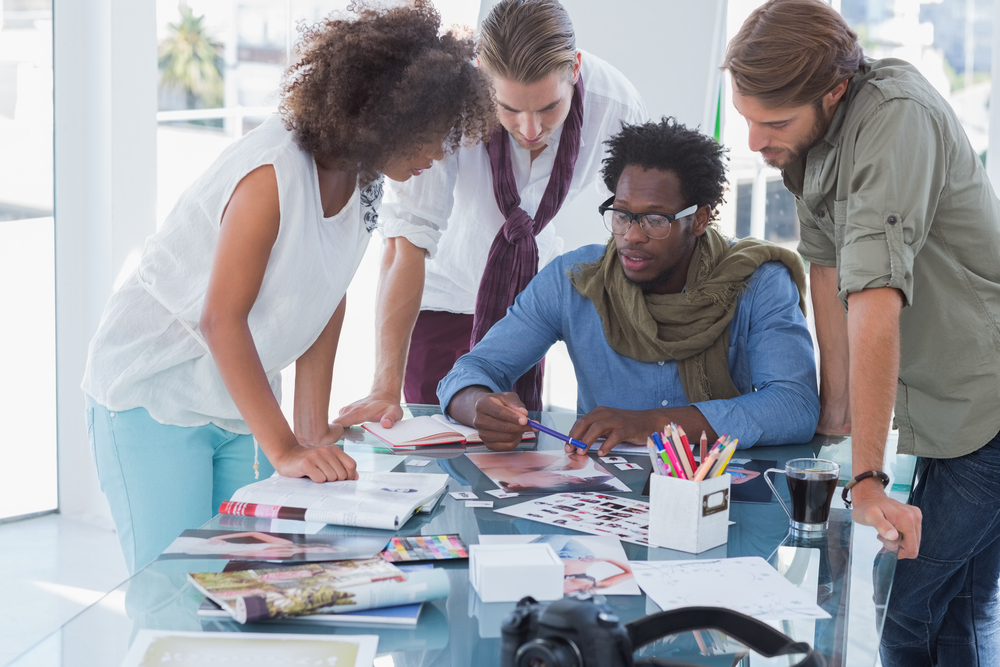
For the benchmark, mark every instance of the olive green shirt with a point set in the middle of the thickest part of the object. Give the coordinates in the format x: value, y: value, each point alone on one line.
x: 895, y: 196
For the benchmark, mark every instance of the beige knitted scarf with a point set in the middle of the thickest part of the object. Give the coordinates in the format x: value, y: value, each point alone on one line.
x: 691, y: 327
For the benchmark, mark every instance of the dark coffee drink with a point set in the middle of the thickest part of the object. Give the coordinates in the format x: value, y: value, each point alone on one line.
x: 811, y: 497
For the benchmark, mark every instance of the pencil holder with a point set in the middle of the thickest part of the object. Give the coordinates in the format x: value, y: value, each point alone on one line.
x: 686, y: 515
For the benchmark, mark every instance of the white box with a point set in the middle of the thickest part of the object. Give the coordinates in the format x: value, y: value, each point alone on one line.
x: 688, y: 516
x: 508, y: 572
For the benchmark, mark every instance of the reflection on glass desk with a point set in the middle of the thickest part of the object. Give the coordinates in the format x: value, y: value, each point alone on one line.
x: 462, y: 631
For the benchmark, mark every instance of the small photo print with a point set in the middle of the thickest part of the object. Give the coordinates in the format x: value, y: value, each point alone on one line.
x: 463, y: 495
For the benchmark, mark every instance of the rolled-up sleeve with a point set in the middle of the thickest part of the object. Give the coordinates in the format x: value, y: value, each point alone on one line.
x: 894, y: 193
x: 418, y: 209
x: 814, y: 245
x: 782, y: 406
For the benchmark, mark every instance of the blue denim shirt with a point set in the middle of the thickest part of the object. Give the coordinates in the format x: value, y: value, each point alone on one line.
x: 770, y: 356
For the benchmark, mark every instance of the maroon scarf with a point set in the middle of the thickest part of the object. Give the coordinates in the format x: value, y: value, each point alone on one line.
x: 513, y: 258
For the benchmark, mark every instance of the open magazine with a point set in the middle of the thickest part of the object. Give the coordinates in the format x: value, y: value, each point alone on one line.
x: 376, y: 500
x: 388, y: 602
x: 427, y: 430
x: 274, y: 592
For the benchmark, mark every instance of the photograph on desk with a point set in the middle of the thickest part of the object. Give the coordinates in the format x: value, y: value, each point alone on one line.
x: 272, y: 547
x: 546, y: 472
x: 594, y: 564
x: 593, y: 513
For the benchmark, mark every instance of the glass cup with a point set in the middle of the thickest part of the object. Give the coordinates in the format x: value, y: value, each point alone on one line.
x: 811, y: 484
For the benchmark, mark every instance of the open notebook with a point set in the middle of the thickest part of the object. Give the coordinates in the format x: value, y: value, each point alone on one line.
x: 427, y: 430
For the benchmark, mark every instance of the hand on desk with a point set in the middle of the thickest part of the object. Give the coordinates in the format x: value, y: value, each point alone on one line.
x: 898, y: 525
x: 372, y: 408
x: 501, y: 420
x: 317, y: 458
x: 634, y: 426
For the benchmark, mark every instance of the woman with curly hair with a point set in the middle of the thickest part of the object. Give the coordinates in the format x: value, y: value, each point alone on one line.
x: 250, y: 272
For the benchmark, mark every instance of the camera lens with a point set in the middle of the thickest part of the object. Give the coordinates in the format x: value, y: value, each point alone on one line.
x: 548, y: 653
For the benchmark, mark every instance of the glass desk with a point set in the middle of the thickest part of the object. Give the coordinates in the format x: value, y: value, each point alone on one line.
x: 851, y: 582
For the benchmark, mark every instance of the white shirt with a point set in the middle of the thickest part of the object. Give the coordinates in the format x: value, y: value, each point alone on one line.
x: 148, y: 351
x: 450, y: 210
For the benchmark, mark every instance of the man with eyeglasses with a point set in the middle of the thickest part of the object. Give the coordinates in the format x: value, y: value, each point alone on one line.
x: 670, y: 322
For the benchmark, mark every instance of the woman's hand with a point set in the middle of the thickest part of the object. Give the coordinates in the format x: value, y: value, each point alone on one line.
x: 319, y: 463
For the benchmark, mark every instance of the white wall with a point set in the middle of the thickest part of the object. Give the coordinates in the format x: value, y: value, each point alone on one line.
x: 105, y: 182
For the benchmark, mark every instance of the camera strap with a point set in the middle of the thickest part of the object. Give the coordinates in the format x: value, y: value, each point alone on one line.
x: 752, y: 633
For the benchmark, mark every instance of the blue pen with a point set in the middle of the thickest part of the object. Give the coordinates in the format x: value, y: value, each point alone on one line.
x: 556, y: 434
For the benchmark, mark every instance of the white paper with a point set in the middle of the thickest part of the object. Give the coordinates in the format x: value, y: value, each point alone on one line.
x: 747, y: 585
x: 594, y: 513
x: 601, y: 558
x: 212, y: 649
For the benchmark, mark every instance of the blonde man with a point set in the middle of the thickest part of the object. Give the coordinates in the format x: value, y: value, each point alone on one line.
x: 486, y: 208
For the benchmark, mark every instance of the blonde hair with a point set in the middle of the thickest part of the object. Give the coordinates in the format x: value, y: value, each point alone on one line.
x: 526, y: 40
x: 792, y: 52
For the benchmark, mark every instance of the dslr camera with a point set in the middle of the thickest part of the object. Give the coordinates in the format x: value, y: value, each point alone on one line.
x: 571, y: 632
x: 577, y: 632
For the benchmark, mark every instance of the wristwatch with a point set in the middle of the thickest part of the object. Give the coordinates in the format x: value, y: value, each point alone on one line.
x: 860, y: 478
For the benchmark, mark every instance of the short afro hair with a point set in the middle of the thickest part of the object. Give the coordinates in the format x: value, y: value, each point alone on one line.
x: 696, y: 159
x: 366, y: 90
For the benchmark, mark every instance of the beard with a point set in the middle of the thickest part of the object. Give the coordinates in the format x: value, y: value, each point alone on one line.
x: 799, y: 151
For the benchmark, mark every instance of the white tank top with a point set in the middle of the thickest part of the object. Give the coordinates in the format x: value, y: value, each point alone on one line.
x: 148, y: 351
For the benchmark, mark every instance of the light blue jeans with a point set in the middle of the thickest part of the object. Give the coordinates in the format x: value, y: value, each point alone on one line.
x: 160, y: 479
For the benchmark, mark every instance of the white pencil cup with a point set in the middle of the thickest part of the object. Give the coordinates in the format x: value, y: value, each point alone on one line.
x: 688, y: 516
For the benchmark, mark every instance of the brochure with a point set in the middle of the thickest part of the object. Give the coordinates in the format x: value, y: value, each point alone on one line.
x: 257, y: 594
x: 375, y: 500
x: 272, y: 547
x: 153, y: 648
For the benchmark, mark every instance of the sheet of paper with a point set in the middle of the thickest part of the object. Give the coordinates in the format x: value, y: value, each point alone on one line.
x: 747, y: 585
x: 546, y: 472
x: 595, y: 565
x: 209, y: 649
x: 594, y: 513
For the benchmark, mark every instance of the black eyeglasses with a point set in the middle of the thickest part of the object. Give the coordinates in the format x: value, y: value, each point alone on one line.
x: 653, y: 225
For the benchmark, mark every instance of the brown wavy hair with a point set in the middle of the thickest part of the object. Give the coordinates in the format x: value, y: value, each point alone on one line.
x: 365, y: 90
x: 789, y: 53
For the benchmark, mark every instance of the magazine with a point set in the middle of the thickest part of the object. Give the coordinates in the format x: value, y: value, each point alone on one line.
x: 256, y: 545
x: 380, y: 603
x: 427, y: 430
x: 156, y: 647
x: 594, y: 513
x: 257, y: 594
x: 375, y: 500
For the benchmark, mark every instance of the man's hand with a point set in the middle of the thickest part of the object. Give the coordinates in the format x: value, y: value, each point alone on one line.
x: 501, y: 420
x: 898, y: 525
x: 615, y: 426
x: 372, y: 408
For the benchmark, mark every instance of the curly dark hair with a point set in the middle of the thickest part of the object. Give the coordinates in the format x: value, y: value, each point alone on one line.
x: 368, y: 89
x: 697, y: 160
